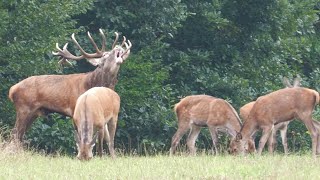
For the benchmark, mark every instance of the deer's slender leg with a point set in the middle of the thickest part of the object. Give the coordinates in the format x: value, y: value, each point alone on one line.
x: 214, y: 137
x: 272, y: 141
x: 266, y: 130
x: 193, y: 135
x: 182, y: 129
x: 112, y: 126
x: 283, y: 133
x: 100, y: 145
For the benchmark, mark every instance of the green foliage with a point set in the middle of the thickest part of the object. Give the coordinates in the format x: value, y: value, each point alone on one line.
x: 142, y: 21
x: 235, y: 50
x: 144, y: 115
x: 52, y: 135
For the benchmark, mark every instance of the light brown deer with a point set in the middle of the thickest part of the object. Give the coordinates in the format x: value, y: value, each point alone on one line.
x: 279, y: 106
x: 97, y: 108
x: 282, y: 127
x: 196, y: 111
x: 40, y: 95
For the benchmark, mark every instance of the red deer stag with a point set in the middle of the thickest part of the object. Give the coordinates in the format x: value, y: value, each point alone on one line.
x: 40, y: 95
x: 279, y: 106
x: 97, y: 108
x: 282, y: 127
x: 196, y: 111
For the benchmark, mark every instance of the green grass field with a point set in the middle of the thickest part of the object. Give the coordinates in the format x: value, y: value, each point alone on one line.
x: 29, y: 165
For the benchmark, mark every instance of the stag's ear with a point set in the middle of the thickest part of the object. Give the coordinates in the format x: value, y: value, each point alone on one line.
x: 238, y: 136
x: 94, y: 61
x: 296, y: 81
x: 76, y: 137
x: 93, y: 142
x: 286, y: 82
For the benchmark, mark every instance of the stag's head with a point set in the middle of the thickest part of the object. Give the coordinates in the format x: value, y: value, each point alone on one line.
x: 240, y: 146
x: 84, y: 147
x: 102, y: 58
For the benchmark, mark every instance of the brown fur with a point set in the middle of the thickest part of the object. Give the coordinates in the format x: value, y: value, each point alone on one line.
x: 280, y: 106
x: 196, y: 111
x: 282, y: 127
x: 97, y: 108
x: 40, y: 95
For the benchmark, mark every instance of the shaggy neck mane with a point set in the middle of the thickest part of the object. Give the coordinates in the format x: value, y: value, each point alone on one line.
x: 101, y: 78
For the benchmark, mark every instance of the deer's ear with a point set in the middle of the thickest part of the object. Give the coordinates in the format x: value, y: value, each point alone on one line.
x: 296, y: 81
x: 238, y: 136
x: 286, y: 82
x: 94, y: 61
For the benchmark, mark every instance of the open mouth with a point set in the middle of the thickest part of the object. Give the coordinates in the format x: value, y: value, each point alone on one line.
x: 119, y: 59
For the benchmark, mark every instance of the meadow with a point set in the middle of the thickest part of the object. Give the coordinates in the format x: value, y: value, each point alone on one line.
x: 29, y: 165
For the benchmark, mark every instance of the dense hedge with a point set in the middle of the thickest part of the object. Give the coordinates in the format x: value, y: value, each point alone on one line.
x: 235, y: 50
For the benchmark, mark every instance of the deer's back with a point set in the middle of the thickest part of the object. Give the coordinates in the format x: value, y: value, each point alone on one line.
x: 204, y: 110
x: 284, y: 104
x: 98, y: 104
x: 53, y: 92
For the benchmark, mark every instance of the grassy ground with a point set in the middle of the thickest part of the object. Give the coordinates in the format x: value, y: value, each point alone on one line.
x: 34, y: 166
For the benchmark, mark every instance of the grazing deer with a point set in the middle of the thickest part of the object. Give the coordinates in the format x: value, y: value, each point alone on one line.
x: 40, y: 95
x: 96, y: 108
x: 282, y: 127
x: 279, y: 106
x: 196, y: 111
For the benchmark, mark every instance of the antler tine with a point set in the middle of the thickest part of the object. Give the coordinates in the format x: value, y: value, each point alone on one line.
x: 64, y: 53
x: 77, y: 44
x: 115, y: 40
x: 86, y: 55
x: 124, y: 40
x: 103, y: 47
x: 93, y: 43
x: 128, y: 47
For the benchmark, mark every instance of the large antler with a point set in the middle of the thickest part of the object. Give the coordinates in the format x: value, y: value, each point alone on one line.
x: 66, y: 55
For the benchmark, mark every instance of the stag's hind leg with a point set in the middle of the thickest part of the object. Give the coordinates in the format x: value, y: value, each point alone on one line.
x: 24, y: 118
x: 191, y: 140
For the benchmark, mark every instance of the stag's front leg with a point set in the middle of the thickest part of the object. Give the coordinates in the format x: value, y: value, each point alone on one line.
x: 266, y: 130
x: 191, y: 141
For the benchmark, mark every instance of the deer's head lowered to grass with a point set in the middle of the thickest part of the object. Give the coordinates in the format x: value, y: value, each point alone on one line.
x: 279, y: 106
x: 40, y: 95
x: 282, y: 127
x: 98, y: 109
x: 196, y: 111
